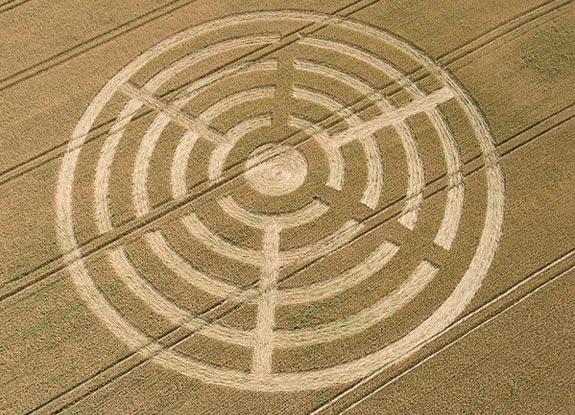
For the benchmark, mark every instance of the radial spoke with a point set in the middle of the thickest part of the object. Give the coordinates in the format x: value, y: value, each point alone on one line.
x: 175, y: 114
x: 415, y: 107
x: 264, y: 330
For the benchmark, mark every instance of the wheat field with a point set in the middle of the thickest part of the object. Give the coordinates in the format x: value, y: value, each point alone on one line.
x: 360, y: 207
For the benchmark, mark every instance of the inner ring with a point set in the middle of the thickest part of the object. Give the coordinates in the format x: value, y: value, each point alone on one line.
x: 276, y: 169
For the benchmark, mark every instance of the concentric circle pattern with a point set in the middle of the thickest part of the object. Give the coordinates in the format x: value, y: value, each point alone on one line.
x: 267, y: 194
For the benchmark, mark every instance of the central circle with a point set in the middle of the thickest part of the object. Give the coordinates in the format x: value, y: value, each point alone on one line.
x: 276, y: 169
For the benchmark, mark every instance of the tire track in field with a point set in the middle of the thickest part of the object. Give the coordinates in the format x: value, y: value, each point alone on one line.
x: 505, y: 28
x: 526, y: 287
x: 11, y: 5
x: 87, y: 45
x: 58, y: 266
x: 448, y: 58
x: 126, y: 365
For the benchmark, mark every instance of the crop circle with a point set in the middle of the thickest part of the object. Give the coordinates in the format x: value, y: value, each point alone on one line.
x: 279, y: 170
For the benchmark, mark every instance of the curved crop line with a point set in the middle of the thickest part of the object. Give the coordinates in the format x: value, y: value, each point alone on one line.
x: 456, y: 193
x: 372, y: 154
x: 312, y: 211
x: 142, y: 164
x: 165, y: 308
x: 142, y: 289
x: 416, y: 181
x: 110, y: 145
x: 180, y: 266
x: 454, y: 205
x: 415, y: 174
x: 364, y: 319
x: 322, y: 247
x: 199, y: 231
x: 334, y: 156
x: 221, y: 152
x: 186, y: 144
x: 103, y: 168
x: 348, y: 279
x: 180, y: 164
x: 152, y: 135
x: 209, y: 51
x: 229, y: 102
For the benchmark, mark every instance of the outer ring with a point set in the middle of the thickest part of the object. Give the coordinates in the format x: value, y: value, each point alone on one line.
x: 343, y: 373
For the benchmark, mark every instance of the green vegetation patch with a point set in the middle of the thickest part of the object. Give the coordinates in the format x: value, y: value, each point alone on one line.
x: 549, y: 51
